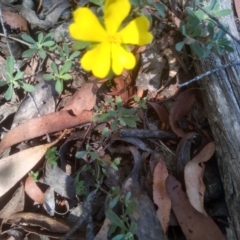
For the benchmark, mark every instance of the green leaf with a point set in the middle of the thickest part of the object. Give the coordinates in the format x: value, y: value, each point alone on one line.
x: 79, y: 45
x: 93, y: 155
x: 42, y: 54
x: 27, y: 38
x: 66, y: 49
x: 222, y: 13
x: 48, y: 76
x: 66, y: 67
x: 40, y: 37
x: 211, y: 30
x: 136, y: 3
x: 9, y: 92
x: 161, y: 8
x: 2, y: 83
x: 10, y: 64
x: 130, y: 208
x: 80, y: 154
x: 126, y: 111
x: 112, y: 216
x: 29, y: 53
x: 114, y: 125
x: 130, y: 123
x: 133, y: 227
x: 228, y: 48
x: 104, y: 117
x: 48, y: 44
x: 179, y: 46
x: 88, y: 148
x: 197, y: 50
x: 119, y: 237
x: 59, y: 86
x: 28, y: 87
x: 49, y: 36
x: 18, y: 76
x: 66, y: 76
x: 96, y: 2
x: 114, y: 201
x: 105, y: 132
x: 54, y: 67
x: 121, y: 121
x: 74, y: 55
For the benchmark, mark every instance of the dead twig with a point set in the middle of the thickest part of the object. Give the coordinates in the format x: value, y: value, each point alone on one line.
x: 87, y: 209
x: 199, y: 77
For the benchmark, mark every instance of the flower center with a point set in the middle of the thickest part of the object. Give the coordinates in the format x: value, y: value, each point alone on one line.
x: 114, y: 39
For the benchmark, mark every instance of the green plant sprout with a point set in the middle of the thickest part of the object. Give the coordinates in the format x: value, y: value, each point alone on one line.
x: 88, y: 153
x: 115, y: 113
x: 65, y: 55
x: 14, y: 80
x: 202, y: 33
x: 81, y: 189
x: 160, y: 7
x: 121, y: 225
x: 51, y: 156
x: 60, y: 74
x: 141, y: 102
x: 38, y: 47
x: 33, y: 175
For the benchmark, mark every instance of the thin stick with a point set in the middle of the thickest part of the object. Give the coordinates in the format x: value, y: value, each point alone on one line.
x: 16, y: 39
x: 199, y: 77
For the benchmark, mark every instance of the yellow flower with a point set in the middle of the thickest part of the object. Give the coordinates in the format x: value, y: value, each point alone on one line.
x: 108, y: 51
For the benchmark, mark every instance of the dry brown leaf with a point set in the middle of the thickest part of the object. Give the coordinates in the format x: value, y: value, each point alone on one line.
x: 160, y: 196
x: 181, y: 108
x: 103, y: 232
x: 15, y: 20
x: 237, y: 7
x: 45, y: 222
x: 83, y: 99
x: 162, y: 114
x: 14, y: 167
x: 122, y: 88
x: 193, y: 175
x: 49, y: 123
x: 16, y: 204
x: 184, y: 154
x: 33, y: 191
x: 194, y: 224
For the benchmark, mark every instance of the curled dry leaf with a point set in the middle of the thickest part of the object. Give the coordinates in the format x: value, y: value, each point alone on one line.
x: 160, y: 196
x: 193, y: 175
x: 33, y: 191
x: 184, y: 154
x: 181, y: 108
x: 162, y: 114
x: 194, y: 224
x: 45, y: 222
x: 49, y: 123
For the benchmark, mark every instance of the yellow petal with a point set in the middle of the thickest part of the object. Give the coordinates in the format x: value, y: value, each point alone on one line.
x: 115, y: 11
x: 121, y: 59
x: 98, y: 60
x: 136, y: 32
x: 86, y: 26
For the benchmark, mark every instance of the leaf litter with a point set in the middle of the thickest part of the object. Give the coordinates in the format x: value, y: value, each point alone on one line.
x: 108, y: 160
